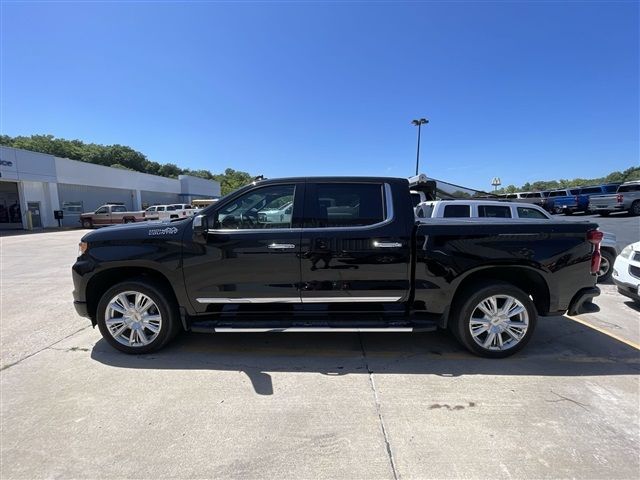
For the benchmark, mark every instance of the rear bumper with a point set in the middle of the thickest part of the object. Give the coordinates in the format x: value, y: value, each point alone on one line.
x: 582, y: 301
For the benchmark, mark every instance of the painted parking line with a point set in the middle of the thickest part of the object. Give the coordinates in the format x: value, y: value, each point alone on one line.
x: 605, y: 332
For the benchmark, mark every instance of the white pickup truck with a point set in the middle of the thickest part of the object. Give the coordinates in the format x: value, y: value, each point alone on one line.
x: 169, y: 212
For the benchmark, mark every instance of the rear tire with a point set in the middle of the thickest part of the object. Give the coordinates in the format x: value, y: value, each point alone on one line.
x: 604, y: 214
x: 635, y: 208
x: 138, y: 316
x: 483, y: 326
x: 607, y: 260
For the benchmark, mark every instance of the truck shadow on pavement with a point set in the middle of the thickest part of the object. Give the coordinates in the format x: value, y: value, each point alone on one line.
x: 560, y: 347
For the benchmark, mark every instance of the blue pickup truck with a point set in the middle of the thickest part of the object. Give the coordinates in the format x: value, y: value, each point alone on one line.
x: 573, y: 200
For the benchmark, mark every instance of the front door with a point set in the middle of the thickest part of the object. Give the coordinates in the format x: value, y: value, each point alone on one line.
x: 252, y: 248
x: 352, y: 248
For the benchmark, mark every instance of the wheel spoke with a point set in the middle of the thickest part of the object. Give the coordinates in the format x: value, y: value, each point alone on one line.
x: 133, y: 336
x: 142, y: 336
x: 499, y: 337
x: 516, y: 310
x: 489, y: 340
x: 508, y: 305
x: 117, y: 307
x: 124, y: 301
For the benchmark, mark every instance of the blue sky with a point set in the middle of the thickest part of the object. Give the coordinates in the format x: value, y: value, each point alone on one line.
x: 520, y: 90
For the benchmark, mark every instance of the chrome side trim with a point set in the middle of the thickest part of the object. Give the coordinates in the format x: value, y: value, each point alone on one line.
x: 310, y: 329
x: 297, y: 300
x: 348, y: 299
x: 250, y: 300
x: 387, y: 244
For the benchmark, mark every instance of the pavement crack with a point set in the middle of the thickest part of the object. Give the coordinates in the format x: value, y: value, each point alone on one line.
x: 372, y: 384
x: 9, y: 365
x: 563, y: 398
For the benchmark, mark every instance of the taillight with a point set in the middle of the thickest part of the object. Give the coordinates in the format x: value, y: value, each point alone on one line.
x: 595, y: 237
x: 619, y: 198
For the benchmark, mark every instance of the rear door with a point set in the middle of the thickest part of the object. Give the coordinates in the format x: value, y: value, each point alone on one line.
x: 354, y: 246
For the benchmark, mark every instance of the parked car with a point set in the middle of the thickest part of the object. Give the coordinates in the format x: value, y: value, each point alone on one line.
x: 280, y: 214
x: 505, y: 209
x: 109, y: 214
x: 478, y: 209
x: 626, y: 199
x: 362, y: 264
x: 626, y: 272
x: 567, y: 201
x: 169, y: 212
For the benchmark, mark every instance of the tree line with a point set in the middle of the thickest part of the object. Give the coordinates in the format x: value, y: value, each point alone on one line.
x: 631, y: 173
x: 121, y: 156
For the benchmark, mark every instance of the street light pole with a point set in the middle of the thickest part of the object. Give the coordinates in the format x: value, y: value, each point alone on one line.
x: 418, y: 123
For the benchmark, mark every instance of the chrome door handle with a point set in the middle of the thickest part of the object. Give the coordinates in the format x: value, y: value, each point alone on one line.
x: 387, y: 244
x: 281, y: 246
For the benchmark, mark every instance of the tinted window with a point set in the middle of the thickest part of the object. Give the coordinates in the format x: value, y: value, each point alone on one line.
x: 533, y: 195
x: 456, y: 211
x: 102, y: 210
x: 257, y: 209
x: 610, y: 188
x: 118, y: 209
x: 151, y: 209
x: 558, y: 193
x: 591, y: 190
x: 415, y: 198
x: 494, y: 211
x: 511, y: 195
x: 629, y: 188
x: 344, y: 204
x: 524, y: 212
x: 575, y: 191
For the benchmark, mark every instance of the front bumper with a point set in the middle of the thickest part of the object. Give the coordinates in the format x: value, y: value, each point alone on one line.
x: 628, y: 290
x: 582, y: 301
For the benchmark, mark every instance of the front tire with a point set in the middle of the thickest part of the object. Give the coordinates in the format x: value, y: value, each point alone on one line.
x: 86, y: 223
x: 493, y: 320
x: 137, y: 316
x: 635, y: 208
x: 604, y: 214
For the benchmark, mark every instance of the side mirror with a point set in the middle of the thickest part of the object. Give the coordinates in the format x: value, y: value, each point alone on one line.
x: 200, y: 224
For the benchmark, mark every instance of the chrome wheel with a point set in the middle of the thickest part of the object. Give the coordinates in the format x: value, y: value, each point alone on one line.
x: 605, y: 265
x: 499, y: 322
x: 133, y: 319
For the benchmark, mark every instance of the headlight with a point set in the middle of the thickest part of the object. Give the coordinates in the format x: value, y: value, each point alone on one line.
x: 626, y: 252
x: 82, y: 247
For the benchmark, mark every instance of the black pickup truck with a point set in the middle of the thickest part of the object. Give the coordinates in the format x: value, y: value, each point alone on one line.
x: 333, y: 254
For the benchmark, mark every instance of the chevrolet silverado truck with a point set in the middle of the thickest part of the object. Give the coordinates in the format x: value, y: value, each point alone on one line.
x: 626, y: 199
x: 110, y: 214
x: 351, y: 257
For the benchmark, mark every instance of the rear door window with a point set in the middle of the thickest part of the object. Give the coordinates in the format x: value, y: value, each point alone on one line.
x: 118, y: 209
x: 591, y: 190
x: 629, y: 188
x: 344, y: 205
x: 525, y: 212
x: 494, y: 211
x: 457, y: 211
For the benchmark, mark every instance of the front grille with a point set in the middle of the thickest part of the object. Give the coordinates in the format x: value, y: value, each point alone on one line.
x: 635, y: 271
x: 636, y: 256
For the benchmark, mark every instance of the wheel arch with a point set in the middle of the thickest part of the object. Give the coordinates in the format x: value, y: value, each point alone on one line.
x: 526, y: 279
x: 102, y: 281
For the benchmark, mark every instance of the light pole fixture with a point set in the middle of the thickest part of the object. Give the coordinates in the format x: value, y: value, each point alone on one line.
x: 418, y: 123
x: 495, y: 181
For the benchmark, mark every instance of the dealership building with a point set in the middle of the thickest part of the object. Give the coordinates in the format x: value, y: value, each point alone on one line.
x: 41, y: 184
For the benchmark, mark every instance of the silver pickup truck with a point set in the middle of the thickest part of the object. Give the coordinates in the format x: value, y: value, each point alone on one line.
x: 626, y: 199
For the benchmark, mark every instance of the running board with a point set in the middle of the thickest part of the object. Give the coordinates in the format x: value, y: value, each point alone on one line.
x: 310, y: 329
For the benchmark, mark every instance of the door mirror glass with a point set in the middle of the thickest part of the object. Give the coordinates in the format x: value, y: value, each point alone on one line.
x: 200, y: 224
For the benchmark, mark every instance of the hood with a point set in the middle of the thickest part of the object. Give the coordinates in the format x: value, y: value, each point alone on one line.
x: 139, y: 231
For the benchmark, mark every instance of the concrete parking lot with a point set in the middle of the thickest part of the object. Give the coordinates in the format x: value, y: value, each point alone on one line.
x: 307, y: 405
